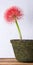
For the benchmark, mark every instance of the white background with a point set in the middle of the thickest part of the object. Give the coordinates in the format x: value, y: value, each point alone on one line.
x: 9, y: 31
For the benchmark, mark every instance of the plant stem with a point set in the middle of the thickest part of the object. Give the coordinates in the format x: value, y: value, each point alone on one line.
x: 18, y: 29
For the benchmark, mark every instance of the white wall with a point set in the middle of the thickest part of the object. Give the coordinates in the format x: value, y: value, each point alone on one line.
x: 9, y: 31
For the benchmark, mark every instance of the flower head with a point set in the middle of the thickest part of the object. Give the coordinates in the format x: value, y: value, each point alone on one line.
x: 12, y: 13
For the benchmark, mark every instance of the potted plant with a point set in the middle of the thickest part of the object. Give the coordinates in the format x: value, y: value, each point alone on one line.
x: 23, y: 48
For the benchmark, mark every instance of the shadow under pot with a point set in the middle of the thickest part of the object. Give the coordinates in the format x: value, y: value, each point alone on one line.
x: 23, y: 50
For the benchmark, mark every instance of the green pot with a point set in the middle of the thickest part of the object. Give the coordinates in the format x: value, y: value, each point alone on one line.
x: 23, y: 50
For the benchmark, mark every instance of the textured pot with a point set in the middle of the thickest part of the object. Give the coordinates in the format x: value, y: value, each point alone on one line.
x: 23, y: 50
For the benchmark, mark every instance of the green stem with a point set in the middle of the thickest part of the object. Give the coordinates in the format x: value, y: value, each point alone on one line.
x: 18, y: 29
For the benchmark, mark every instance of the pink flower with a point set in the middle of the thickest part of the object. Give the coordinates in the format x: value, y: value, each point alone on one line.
x: 12, y: 13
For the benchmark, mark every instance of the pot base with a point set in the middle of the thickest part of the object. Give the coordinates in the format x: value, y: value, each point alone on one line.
x: 23, y: 50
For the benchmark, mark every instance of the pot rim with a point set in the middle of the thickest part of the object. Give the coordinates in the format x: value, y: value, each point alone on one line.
x: 22, y: 39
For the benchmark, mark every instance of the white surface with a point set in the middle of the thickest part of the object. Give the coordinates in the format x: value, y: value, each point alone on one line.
x: 9, y: 31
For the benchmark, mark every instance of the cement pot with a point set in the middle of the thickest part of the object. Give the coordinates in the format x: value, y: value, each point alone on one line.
x: 23, y: 50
